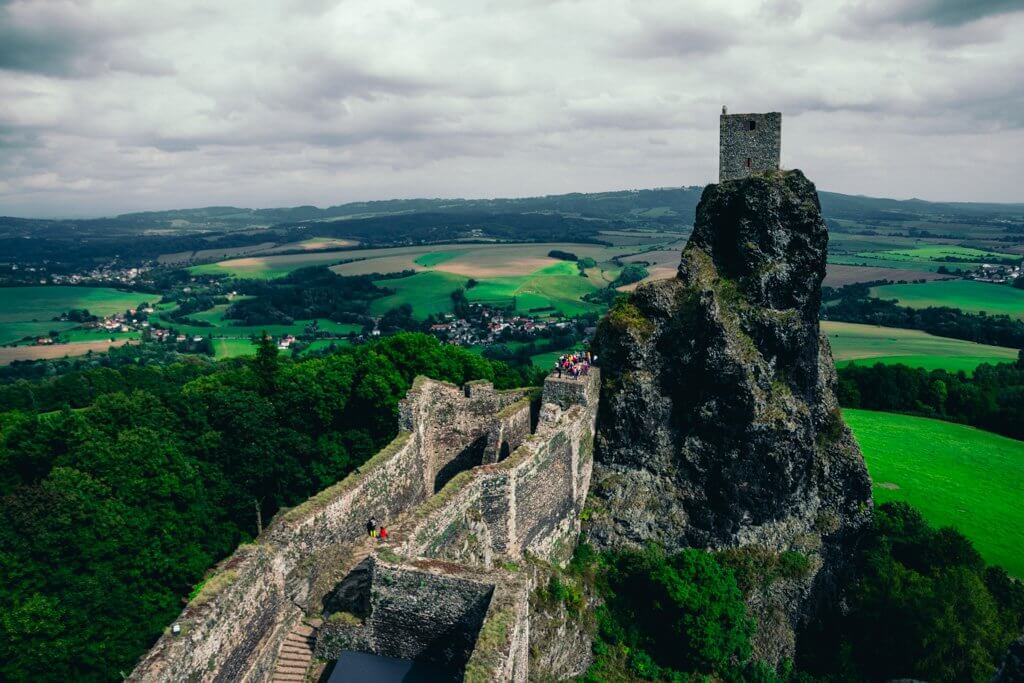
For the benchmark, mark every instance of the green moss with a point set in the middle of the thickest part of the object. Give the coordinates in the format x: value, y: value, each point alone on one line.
x: 346, y: 618
x: 491, y: 644
x: 388, y: 555
x: 511, y: 410
x: 756, y: 567
x: 210, y: 588
x: 625, y: 316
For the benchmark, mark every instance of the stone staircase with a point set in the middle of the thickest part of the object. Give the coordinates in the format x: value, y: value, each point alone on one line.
x: 296, y: 655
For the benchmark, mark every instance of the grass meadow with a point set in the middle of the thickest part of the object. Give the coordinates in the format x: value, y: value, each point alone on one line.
x: 28, y: 311
x: 967, y: 295
x: 870, y: 344
x: 955, y: 475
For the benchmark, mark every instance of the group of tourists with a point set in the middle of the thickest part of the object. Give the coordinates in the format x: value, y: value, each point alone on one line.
x: 374, y: 531
x: 575, y: 364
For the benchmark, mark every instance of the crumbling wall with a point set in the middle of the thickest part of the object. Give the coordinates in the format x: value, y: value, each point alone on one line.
x: 416, y: 611
x: 529, y: 502
x: 233, y: 630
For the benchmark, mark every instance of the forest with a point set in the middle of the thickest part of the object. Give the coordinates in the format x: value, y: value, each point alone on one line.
x: 116, y: 503
x: 307, y: 293
x: 991, y: 399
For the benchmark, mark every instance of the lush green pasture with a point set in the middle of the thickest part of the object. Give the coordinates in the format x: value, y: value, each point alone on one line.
x: 877, y: 260
x: 955, y: 475
x: 886, y: 254
x: 435, y: 257
x: 93, y: 335
x: 11, y: 332
x: 27, y: 311
x: 939, y: 252
x: 967, y: 295
x: 224, y: 328
x: 870, y: 344
x: 230, y: 348
x: 555, y: 287
x: 429, y: 293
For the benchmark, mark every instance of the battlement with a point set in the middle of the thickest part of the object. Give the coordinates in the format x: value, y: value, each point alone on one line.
x: 748, y: 144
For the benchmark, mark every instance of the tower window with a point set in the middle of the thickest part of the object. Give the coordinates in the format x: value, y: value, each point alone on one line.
x: 753, y: 125
x: 748, y: 162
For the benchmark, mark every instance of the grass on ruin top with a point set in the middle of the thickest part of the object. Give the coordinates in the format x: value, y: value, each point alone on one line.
x: 210, y: 588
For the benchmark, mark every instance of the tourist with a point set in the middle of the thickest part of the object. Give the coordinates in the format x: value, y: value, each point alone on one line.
x: 383, y: 533
x: 558, y: 366
x: 371, y: 526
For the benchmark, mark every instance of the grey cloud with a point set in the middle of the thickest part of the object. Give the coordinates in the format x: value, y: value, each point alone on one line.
x: 679, y: 40
x: 63, y: 40
x: 933, y: 12
x: 115, y: 108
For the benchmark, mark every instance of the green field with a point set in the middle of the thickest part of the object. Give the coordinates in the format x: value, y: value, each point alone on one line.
x: 870, y: 344
x: 955, y: 475
x: 942, y: 253
x: 429, y: 293
x: 435, y: 257
x: 230, y: 348
x: 967, y: 295
x: 556, y: 287
x: 559, y: 286
x: 27, y: 311
x: 224, y: 328
x: 918, y: 258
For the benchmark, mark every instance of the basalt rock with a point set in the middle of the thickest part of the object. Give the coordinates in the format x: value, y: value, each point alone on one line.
x: 719, y: 426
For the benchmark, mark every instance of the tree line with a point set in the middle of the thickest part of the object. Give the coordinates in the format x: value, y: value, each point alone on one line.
x: 854, y: 304
x: 992, y: 398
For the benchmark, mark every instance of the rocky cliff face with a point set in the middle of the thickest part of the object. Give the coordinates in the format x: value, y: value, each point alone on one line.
x: 719, y: 425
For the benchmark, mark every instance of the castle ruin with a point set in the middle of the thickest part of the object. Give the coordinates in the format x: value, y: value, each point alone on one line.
x: 476, y: 481
x: 748, y: 144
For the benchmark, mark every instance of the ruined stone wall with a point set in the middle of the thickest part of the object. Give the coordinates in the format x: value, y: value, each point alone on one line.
x: 233, y: 629
x: 415, y: 612
x: 757, y: 137
x: 452, y: 615
x: 529, y: 502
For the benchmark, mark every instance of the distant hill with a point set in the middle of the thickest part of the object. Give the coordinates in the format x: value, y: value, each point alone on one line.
x: 667, y: 207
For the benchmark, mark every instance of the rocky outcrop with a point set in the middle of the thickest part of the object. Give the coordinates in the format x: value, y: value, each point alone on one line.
x: 719, y: 425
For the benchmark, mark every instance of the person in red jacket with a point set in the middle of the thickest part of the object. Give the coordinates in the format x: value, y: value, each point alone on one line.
x: 383, y: 533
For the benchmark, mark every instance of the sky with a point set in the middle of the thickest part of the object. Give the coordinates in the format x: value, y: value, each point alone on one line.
x: 110, y: 107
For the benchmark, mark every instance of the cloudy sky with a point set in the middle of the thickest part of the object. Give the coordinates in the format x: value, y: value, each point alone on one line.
x: 108, y: 107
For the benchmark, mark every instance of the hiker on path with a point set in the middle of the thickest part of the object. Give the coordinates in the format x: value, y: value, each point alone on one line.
x: 371, y: 526
x: 383, y: 533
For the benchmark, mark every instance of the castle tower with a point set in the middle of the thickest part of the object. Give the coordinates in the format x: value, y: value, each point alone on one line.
x: 748, y: 144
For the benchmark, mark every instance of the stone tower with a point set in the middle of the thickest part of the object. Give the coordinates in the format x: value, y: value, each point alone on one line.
x: 748, y: 144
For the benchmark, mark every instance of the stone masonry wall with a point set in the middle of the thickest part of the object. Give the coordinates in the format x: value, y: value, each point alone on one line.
x: 421, y: 612
x: 737, y: 143
x: 233, y: 629
x: 529, y: 502
x: 443, y: 613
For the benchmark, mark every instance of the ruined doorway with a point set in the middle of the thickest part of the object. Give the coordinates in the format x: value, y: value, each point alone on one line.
x: 468, y: 458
